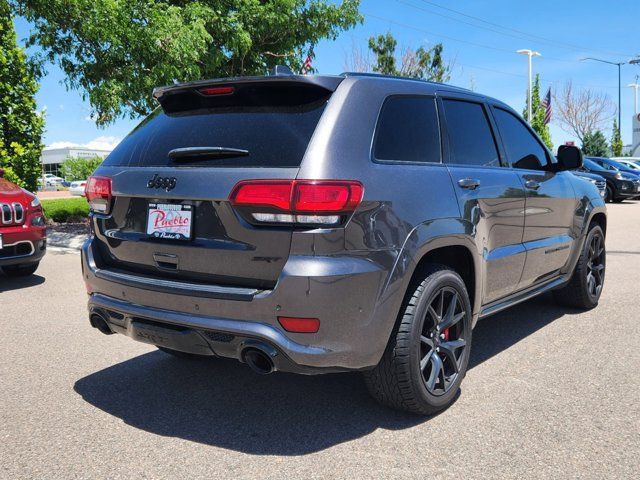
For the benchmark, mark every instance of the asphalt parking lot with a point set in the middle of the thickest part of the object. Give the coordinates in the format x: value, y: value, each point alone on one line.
x: 550, y: 393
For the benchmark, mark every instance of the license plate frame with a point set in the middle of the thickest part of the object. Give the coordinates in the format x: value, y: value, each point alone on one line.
x: 170, y: 221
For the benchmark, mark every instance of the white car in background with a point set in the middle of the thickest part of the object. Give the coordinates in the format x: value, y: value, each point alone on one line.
x: 77, y: 188
x: 51, y: 180
x: 632, y: 163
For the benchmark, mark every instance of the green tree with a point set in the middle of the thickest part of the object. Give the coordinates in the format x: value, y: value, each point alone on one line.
x: 116, y: 51
x: 423, y: 63
x: 20, y: 124
x: 616, y: 140
x: 595, y: 144
x: 76, y: 168
x: 384, y: 48
x: 538, y: 114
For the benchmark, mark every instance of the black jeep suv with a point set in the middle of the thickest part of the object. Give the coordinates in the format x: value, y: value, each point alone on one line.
x: 317, y: 224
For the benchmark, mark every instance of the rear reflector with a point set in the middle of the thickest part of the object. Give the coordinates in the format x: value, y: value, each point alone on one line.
x: 299, y: 325
x: 98, y: 194
x: 319, y: 202
x: 216, y: 91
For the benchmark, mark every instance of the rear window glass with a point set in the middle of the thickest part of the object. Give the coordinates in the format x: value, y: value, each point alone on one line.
x: 272, y: 123
x: 408, y: 130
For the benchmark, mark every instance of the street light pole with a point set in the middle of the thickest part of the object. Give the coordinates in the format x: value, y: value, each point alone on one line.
x: 530, y: 54
x: 619, y: 64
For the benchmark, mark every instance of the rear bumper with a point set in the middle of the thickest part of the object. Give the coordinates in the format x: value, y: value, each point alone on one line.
x: 22, y: 245
x: 341, y: 291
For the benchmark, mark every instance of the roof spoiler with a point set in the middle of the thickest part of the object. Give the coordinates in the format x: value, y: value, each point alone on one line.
x: 326, y: 82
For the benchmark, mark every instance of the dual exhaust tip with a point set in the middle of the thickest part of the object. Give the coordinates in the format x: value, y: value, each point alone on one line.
x: 258, y: 360
x: 98, y: 321
x: 258, y: 356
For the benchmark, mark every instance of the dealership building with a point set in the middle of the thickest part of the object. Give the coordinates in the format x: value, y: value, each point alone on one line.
x: 52, y: 158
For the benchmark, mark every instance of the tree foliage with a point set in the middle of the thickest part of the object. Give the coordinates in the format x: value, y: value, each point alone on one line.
x: 616, y: 140
x: 538, y: 114
x: 116, y: 51
x: 423, y: 63
x: 594, y: 144
x: 76, y: 168
x: 20, y: 124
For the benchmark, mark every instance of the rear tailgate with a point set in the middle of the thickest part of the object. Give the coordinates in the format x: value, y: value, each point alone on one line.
x: 170, y: 217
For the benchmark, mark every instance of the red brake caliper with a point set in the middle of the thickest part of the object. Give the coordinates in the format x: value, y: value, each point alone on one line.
x: 445, y: 334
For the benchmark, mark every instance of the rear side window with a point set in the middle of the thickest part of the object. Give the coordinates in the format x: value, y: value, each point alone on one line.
x: 522, y: 147
x: 408, y: 130
x: 471, y: 141
x: 273, y: 124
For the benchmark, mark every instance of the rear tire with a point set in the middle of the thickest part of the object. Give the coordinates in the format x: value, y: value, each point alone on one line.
x: 20, y: 270
x: 428, y: 352
x: 182, y: 355
x: 585, y: 287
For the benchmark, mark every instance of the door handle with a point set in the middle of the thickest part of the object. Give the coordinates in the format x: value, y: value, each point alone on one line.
x: 532, y: 184
x: 469, y: 183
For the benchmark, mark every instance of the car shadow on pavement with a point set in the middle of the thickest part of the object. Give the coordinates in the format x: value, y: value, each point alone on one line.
x: 14, y: 283
x: 222, y: 403
x: 499, y: 332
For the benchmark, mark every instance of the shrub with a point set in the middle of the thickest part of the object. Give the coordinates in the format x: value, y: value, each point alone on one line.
x: 75, y: 168
x: 66, y: 209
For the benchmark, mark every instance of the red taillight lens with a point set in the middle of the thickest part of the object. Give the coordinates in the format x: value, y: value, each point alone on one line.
x: 299, y: 325
x: 319, y: 202
x: 319, y: 196
x: 98, y: 194
x: 209, y: 91
x: 264, y: 193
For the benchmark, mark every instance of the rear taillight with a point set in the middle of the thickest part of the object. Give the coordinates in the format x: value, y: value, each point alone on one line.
x: 98, y: 194
x: 308, y: 202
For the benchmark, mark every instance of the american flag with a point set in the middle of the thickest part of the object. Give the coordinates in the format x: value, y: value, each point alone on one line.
x: 306, y: 66
x: 546, y: 104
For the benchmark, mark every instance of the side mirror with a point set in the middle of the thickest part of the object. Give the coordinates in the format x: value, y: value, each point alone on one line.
x: 569, y: 158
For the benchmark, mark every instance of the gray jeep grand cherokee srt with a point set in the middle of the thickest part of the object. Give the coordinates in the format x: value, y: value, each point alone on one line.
x: 316, y: 224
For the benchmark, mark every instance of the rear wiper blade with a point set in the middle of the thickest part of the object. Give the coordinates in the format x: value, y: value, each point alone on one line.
x: 204, y: 153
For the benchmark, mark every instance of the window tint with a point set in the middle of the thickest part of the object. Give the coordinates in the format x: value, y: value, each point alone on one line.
x: 274, y: 127
x: 523, y: 148
x: 408, y: 130
x: 470, y: 138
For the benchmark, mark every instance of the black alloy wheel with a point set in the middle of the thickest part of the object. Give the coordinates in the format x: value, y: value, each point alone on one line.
x: 443, y: 341
x: 595, y: 265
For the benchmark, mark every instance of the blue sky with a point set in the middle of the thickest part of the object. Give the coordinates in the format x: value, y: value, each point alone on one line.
x: 483, y: 54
